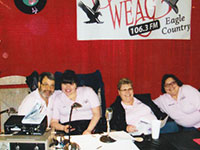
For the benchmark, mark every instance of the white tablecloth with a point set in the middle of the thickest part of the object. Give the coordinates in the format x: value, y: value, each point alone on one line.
x: 92, y: 142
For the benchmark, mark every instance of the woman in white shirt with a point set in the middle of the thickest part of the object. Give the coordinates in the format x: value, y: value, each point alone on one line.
x: 180, y: 101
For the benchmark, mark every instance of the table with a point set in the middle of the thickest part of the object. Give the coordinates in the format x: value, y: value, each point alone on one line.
x: 171, y: 141
x: 92, y: 142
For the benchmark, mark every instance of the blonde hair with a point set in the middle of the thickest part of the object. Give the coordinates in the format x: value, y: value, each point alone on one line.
x: 124, y: 81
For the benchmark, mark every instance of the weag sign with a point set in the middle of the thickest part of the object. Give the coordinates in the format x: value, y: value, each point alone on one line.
x: 133, y: 19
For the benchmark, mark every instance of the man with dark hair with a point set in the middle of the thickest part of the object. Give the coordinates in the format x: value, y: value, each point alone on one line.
x: 41, y: 96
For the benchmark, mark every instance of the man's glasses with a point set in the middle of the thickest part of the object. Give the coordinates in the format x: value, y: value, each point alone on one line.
x: 168, y: 85
x: 124, y: 90
x: 45, y: 85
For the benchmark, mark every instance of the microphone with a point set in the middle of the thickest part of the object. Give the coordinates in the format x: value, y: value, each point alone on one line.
x: 108, y: 115
x: 76, y: 105
x: 10, y: 110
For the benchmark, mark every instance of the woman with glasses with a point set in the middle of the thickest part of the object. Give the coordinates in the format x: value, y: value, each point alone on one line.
x: 129, y: 113
x: 180, y: 101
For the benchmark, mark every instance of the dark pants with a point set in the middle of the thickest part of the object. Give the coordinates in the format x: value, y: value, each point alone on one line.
x: 81, y: 125
x: 171, y: 127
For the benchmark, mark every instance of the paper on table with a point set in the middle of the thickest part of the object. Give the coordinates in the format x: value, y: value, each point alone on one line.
x: 144, y: 126
x: 92, y: 142
x: 121, y: 135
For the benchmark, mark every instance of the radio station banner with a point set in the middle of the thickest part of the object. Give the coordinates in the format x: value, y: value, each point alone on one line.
x: 133, y: 19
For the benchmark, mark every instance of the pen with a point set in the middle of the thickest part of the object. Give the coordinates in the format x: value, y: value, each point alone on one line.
x: 98, y: 147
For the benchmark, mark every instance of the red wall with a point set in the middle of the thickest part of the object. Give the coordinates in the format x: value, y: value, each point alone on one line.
x: 47, y: 42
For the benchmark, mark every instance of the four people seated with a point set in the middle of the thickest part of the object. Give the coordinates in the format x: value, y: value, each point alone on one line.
x: 180, y: 102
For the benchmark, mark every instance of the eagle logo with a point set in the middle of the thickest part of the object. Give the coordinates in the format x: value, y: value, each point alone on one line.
x: 92, y: 13
x: 172, y: 4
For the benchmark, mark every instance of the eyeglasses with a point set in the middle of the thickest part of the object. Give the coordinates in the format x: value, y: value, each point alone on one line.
x: 124, y: 90
x: 47, y: 85
x: 170, y: 84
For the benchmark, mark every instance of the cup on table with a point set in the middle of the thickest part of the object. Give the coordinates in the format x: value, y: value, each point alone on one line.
x: 155, y: 129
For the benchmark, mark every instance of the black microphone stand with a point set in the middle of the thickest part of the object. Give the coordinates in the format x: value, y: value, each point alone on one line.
x: 70, y: 118
x: 69, y: 145
x: 10, y: 110
x: 1, y: 112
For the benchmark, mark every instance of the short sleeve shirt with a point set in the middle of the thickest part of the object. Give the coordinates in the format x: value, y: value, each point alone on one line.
x: 137, y: 112
x: 85, y: 96
x: 185, y: 110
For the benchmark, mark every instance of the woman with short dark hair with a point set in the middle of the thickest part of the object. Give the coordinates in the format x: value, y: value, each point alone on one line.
x: 180, y: 101
x: 86, y: 117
